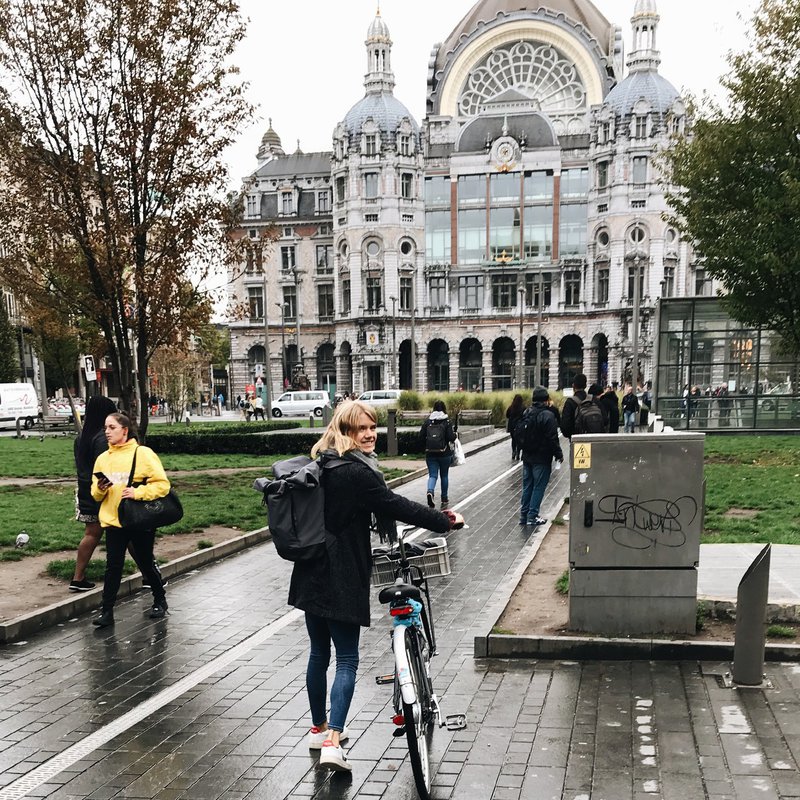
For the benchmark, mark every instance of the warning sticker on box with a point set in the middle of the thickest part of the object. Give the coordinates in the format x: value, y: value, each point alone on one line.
x: 582, y: 457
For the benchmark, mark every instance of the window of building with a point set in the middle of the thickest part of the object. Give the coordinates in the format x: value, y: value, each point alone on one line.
x: 504, y: 188
x: 538, y: 186
x: 572, y: 287
x: 371, y: 144
x: 602, y: 208
x: 346, y: 296
x: 504, y: 233
x: 407, y: 186
x: 407, y: 219
x: 373, y: 248
x: 287, y: 203
x: 290, y: 302
x: 406, y: 293
x: 255, y: 299
x: 640, y: 127
x: 702, y: 284
x: 438, y: 291
x: 669, y: 282
x: 437, y: 236
x: 470, y: 293
x: 323, y: 201
x: 371, y: 217
x: 325, y: 258
x: 538, y: 232
x: 632, y: 278
x: 602, y: 284
x: 252, y: 205
x: 340, y: 196
x: 534, y: 284
x: 605, y: 132
x: 325, y: 229
x: 406, y: 247
x: 374, y: 294
x: 370, y: 185
x: 671, y: 236
x: 471, y: 190
x: 287, y: 233
x: 575, y: 183
x: 325, y: 301
x: 288, y: 257
x: 504, y: 291
x: 602, y: 175
x: 437, y: 191
x: 252, y: 233
x: 637, y: 235
x: 405, y: 145
x: 574, y: 219
x: 640, y: 170
x: 639, y: 204
x: 603, y: 239
x: 471, y: 236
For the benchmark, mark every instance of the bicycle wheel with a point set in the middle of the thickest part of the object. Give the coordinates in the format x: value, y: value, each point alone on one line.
x: 419, y: 717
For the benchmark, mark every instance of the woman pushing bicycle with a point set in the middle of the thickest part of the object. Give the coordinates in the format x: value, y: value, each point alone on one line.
x: 334, y: 591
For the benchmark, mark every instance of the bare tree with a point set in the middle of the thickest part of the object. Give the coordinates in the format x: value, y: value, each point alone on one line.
x: 114, y: 116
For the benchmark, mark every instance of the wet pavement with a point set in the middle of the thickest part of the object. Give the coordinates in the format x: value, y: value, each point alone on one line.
x: 210, y: 702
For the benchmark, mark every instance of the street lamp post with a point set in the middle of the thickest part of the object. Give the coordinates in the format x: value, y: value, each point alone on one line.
x: 267, y: 369
x: 396, y: 382
x: 521, y: 347
x: 413, y: 336
x: 540, y: 284
x: 297, y: 283
x: 635, y: 334
x: 282, y: 307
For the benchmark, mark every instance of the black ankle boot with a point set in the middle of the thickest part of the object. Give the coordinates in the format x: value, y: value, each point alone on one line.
x: 159, y: 609
x: 105, y: 619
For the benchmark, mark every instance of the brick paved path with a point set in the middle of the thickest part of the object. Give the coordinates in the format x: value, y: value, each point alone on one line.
x: 210, y: 703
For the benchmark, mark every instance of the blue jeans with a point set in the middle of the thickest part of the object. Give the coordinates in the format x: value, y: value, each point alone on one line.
x: 535, y: 478
x: 630, y: 421
x: 345, y: 637
x: 439, y: 464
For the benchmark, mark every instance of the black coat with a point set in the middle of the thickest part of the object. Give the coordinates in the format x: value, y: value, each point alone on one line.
x: 545, y: 446
x: 338, y: 587
x: 609, y: 403
x: 568, y: 413
x: 86, y: 503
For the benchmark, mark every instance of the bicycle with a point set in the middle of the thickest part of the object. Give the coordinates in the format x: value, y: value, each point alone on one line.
x: 416, y: 706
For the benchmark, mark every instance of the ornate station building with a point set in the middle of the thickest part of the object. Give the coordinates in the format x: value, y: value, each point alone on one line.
x: 515, y: 237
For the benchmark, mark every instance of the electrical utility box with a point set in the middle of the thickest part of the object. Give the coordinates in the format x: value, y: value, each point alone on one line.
x: 636, y: 515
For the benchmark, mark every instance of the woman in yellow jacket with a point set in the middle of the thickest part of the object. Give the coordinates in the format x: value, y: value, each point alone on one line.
x: 109, y: 486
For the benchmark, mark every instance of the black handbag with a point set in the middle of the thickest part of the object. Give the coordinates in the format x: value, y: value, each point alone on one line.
x: 149, y: 514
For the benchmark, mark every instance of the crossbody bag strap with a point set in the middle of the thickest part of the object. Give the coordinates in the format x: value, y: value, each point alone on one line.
x: 133, y: 467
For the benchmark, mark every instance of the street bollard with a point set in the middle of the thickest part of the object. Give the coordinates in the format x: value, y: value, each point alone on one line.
x: 327, y: 413
x: 751, y: 614
x: 310, y: 419
x: 391, y: 433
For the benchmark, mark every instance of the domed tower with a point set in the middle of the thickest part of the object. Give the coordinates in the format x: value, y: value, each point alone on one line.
x: 270, y: 146
x: 629, y: 241
x: 378, y: 217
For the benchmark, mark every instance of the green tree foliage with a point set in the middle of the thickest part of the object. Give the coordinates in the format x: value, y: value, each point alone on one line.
x: 113, y: 139
x: 9, y: 366
x: 739, y: 177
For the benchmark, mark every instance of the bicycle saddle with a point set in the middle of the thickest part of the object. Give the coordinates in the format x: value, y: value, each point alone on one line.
x: 399, y: 591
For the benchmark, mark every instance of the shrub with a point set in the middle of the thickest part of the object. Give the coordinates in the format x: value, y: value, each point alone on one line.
x: 562, y: 584
x: 410, y: 401
x: 204, y: 544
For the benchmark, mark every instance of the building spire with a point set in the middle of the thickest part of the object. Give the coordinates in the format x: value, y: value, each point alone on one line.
x: 644, y: 56
x: 379, y: 77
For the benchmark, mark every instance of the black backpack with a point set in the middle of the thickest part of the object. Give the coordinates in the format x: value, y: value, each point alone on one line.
x: 436, y: 437
x: 295, y: 501
x: 589, y: 417
x: 525, y: 432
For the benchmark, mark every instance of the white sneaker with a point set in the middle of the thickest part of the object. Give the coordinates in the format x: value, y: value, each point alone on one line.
x: 333, y: 758
x: 316, y: 737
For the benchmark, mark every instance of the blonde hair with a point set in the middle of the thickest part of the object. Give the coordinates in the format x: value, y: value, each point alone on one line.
x: 338, y: 435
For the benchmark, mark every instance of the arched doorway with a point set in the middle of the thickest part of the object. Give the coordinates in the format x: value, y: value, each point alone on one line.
x: 470, y: 365
x: 570, y: 360
x: 438, y: 366
x: 531, y: 378
x: 404, y: 357
x: 326, y: 369
x: 503, y: 358
x: 600, y: 350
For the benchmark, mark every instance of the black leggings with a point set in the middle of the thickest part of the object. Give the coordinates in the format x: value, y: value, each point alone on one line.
x: 117, y: 540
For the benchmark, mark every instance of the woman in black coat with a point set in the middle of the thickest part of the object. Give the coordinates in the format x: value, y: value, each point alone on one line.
x: 514, y: 414
x: 334, y: 591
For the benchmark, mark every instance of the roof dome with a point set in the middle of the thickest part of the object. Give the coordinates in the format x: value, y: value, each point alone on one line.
x: 650, y: 86
x: 645, y: 8
x: 271, y: 138
x: 378, y: 29
x: 384, y: 108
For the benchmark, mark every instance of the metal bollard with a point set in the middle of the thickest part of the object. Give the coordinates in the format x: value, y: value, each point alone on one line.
x: 310, y: 419
x: 391, y: 433
x: 751, y: 613
x: 327, y: 413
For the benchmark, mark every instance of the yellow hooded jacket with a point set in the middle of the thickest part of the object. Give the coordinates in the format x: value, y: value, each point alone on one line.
x: 115, y: 464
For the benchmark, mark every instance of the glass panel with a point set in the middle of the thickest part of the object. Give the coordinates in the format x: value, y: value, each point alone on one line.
x: 471, y: 236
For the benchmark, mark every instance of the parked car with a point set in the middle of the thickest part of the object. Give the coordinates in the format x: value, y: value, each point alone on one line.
x: 18, y: 401
x: 780, y: 397
x: 300, y: 404
x: 381, y: 397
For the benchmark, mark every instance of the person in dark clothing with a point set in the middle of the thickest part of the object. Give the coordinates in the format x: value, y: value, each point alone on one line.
x: 630, y: 409
x: 571, y: 405
x: 90, y: 443
x: 609, y: 405
x: 514, y: 414
x: 438, y: 461
x: 334, y: 591
x: 540, y: 448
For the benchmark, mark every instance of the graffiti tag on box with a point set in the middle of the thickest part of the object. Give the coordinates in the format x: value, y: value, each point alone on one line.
x: 639, y: 524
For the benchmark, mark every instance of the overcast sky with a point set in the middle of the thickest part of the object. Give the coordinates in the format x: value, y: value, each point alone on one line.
x: 305, y: 60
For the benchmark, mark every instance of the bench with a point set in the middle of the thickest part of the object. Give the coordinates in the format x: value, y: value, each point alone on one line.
x: 412, y: 417
x: 475, y: 416
x: 49, y: 422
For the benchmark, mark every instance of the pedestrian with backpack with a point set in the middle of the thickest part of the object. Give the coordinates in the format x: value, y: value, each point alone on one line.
x: 537, y: 436
x: 437, y: 433
x: 581, y: 412
x: 334, y: 589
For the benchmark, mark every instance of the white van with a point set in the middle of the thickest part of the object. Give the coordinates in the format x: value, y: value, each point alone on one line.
x: 381, y: 397
x: 18, y: 401
x: 300, y: 404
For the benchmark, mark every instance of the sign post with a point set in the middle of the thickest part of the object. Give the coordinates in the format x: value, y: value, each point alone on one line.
x: 89, y: 368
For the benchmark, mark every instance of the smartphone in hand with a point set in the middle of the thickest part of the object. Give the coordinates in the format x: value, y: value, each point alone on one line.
x: 102, y: 479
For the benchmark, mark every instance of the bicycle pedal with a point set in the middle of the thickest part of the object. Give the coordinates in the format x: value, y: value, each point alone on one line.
x: 455, y: 722
x: 398, y: 732
x: 383, y: 679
